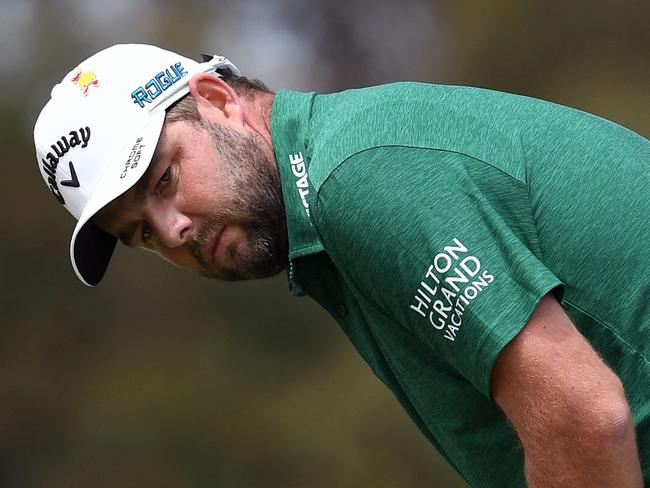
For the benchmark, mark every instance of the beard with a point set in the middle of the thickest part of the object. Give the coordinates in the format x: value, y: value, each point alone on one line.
x: 258, y: 208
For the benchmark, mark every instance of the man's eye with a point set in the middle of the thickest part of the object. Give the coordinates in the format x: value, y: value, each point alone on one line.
x: 146, y: 232
x: 166, y: 176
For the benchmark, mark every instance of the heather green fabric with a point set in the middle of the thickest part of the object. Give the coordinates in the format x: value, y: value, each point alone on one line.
x: 430, y: 221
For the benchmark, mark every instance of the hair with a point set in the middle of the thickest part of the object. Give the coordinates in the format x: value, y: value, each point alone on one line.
x: 185, y: 109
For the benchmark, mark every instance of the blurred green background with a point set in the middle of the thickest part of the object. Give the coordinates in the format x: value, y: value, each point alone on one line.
x: 159, y: 378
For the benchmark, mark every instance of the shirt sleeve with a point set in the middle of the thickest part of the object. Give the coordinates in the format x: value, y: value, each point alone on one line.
x: 442, y: 244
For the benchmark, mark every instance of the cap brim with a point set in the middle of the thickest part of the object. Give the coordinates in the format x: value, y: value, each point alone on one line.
x: 90, y: 247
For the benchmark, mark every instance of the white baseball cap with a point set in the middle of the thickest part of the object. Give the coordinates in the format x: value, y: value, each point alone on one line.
x: 96, y: 135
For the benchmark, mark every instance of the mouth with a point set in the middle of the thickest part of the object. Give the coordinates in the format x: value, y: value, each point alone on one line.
x: 214, y: 251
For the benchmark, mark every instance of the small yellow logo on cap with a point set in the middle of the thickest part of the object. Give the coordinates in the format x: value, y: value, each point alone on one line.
x: 84, y: 80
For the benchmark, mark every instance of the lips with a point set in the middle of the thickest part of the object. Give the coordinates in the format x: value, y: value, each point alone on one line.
x: 217, y: 242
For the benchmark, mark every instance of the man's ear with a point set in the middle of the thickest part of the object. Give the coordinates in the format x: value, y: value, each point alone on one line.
x: 215, y: 99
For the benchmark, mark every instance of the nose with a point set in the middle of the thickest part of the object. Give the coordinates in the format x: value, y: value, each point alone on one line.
x: 171, y: 227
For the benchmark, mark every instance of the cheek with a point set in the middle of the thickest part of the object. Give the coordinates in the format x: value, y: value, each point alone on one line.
x: 204, y: 192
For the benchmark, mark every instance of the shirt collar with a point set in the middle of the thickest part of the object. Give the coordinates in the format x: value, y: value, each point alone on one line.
x: 289, y: 126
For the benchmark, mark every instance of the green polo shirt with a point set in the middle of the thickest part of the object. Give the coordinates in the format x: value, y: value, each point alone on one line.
x: 430, y: 221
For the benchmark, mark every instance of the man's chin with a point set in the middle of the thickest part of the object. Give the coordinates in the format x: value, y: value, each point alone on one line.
x: 248, y: 255
x: 255, y: 258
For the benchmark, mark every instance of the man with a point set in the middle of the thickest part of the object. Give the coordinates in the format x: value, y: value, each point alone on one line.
x: 456, y: 235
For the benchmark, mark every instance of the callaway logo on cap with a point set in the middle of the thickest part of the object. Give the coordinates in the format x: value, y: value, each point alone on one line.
x: 97, y: 134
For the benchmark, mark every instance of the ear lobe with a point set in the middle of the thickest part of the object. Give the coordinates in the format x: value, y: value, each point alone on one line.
x: 215, y: 99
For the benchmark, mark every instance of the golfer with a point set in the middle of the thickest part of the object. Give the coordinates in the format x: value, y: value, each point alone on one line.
x: 487, y: 254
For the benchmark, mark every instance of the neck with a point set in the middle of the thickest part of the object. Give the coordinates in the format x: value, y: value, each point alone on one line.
x: 258, y: 114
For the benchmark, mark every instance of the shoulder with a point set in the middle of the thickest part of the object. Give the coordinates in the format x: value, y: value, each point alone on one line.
x: 410, y: 115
